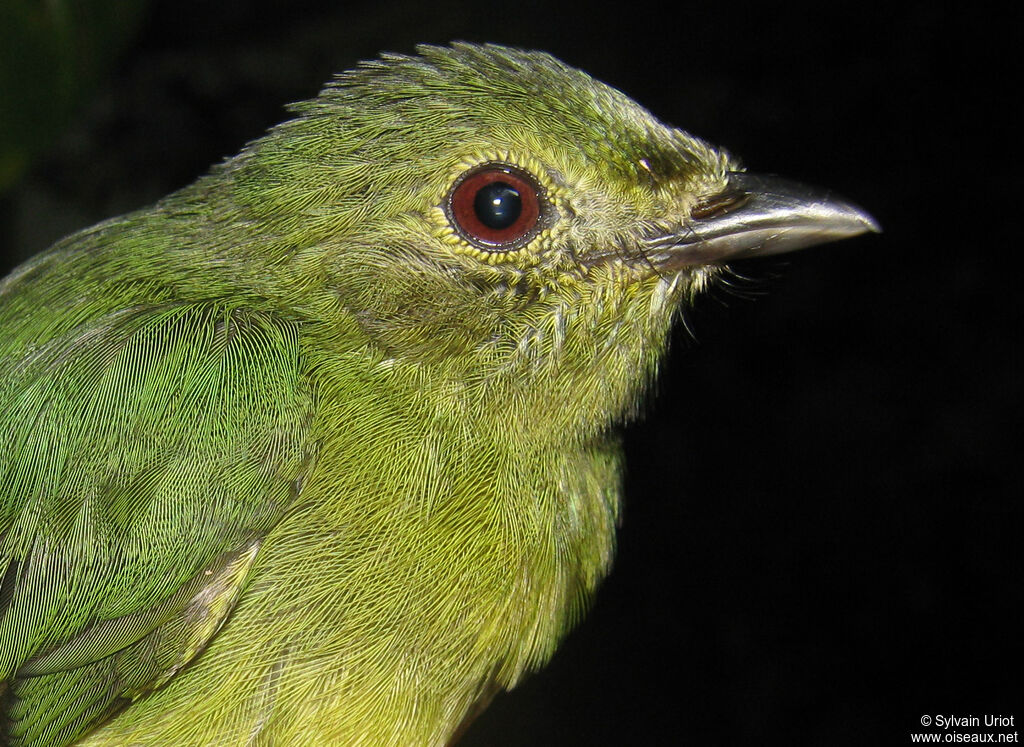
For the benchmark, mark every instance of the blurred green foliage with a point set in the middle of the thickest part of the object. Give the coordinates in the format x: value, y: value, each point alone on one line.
x: 52, y: 54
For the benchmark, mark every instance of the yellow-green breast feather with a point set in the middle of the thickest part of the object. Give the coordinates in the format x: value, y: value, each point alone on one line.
x: 320, y: 449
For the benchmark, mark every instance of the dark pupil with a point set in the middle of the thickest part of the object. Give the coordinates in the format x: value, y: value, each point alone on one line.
x: 497, y: 205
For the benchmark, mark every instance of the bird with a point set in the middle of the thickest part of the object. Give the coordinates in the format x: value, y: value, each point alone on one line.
x: 323, y: 448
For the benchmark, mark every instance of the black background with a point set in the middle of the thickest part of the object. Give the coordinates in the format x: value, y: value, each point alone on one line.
x: 820, y: 542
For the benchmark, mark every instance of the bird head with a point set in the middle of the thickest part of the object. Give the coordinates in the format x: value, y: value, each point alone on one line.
x: 495, y: 211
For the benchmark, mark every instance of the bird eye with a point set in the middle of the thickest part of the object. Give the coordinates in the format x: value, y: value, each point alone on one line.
x: 496, y: 207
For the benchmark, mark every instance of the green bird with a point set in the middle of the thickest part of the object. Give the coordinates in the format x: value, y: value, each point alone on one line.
x: 321, y: 449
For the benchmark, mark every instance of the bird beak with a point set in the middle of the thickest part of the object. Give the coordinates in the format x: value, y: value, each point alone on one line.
x: 756, y: 216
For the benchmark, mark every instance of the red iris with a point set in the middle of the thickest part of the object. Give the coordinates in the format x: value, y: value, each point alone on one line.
x: 496, y: 206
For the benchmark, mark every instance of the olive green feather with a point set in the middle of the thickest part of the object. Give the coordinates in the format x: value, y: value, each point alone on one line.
x: 298, y: 455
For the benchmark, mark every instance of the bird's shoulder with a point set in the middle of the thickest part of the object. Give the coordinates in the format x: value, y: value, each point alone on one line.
x: 143, y: 456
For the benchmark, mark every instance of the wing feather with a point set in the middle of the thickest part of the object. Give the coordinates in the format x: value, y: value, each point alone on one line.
x: 142, y: 458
